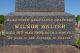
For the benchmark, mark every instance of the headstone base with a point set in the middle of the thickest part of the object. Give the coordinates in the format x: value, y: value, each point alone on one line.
x: 39, y: 49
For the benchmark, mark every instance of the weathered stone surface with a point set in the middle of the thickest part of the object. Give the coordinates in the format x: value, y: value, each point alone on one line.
x: 39, y: 5
x: 54, y: 8
x: 63, y: 34
x: 39, y: 49
x: 54, y: 30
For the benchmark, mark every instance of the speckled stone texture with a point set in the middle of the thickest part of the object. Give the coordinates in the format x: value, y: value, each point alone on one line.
x: 39, y: 49
x: 54, y: 9
x: 10, y: 28
x: 39, y: 5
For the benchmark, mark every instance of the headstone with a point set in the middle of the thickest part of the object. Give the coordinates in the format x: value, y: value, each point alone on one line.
x: 39, y: 22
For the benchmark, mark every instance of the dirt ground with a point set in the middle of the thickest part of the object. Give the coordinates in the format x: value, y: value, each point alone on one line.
x: 39, y: 49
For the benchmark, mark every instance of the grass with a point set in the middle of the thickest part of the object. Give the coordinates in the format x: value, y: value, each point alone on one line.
x: 77, y: 43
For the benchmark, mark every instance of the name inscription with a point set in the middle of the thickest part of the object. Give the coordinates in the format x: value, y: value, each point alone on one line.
x: 40, y: 30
